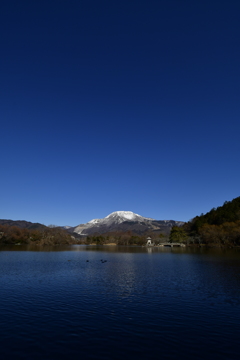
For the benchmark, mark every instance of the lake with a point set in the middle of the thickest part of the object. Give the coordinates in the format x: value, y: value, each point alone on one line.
x: 109, y: 302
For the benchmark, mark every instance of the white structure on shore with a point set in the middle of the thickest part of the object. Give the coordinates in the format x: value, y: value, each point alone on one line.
x: 149, y: 241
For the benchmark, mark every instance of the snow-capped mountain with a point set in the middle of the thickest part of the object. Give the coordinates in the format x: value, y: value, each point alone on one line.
x: 118, y: 217
x: 124, y: 221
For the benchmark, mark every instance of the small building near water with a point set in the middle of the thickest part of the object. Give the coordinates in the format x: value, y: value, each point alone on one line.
x: 149, y: 241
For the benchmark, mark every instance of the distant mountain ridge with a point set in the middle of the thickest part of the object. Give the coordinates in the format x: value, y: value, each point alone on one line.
x: 125, y: 221
x: 22, y: 224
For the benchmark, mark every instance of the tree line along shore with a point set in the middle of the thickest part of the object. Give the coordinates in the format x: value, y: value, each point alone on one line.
x: 219, y: 227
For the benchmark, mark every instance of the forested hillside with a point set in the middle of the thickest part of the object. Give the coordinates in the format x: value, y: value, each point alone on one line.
x: 219, y: 226
x: 42, y: 235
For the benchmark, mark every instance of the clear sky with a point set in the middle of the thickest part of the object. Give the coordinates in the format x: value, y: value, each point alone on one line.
x: 118, y: 105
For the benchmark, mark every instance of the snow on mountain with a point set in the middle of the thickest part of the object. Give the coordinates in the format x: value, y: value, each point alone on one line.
x: 118, y: 217
x: 121, y: 216
x: 94, y: 221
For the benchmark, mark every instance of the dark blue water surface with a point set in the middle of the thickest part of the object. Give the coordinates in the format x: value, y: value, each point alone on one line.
x: 69, y: 303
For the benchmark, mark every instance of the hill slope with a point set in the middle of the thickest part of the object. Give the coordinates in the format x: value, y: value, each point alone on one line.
x: 219, y: 226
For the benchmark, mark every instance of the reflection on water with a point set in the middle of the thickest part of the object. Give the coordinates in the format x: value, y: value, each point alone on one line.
x: 101, y: 302
x: 124, y: 249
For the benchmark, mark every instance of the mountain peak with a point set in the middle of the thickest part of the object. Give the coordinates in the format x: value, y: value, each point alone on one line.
x: 123, y: 221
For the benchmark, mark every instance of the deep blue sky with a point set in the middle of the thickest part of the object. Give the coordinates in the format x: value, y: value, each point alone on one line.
x: 118, y: 105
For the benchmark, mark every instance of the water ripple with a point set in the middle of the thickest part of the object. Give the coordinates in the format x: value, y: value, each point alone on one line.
x: 135, y: 305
